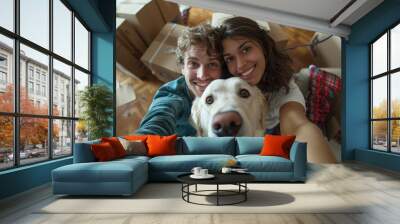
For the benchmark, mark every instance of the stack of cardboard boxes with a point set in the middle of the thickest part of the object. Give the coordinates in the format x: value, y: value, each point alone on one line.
x: 138, y: 24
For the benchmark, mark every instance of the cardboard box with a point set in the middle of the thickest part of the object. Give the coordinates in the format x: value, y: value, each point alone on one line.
x: 277, y: 33
x: 129, y: 58
x: 128, y: 31
x: 160, y: 57
x: 328, y: 52
x: 169, y: 11
x: 145, y: 16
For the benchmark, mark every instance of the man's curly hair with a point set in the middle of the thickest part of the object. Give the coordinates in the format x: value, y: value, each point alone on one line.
x: 202, y: 34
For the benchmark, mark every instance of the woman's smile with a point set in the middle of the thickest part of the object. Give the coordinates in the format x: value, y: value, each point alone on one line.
x: 244, y: 58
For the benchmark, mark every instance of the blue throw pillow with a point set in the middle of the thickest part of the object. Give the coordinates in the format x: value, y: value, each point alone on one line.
x: 249, y: 145
x: 208, y: 145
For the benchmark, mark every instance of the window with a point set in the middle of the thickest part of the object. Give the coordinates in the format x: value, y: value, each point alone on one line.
x: 3, y: 61
x: 3, y: 72
x: 62, y: 75
x: 62, y: 30
x: 39, y: 80
x: 7, y: 14
x: 385, y: 94
x: 30, y: 87
x: 30, y: 72
x: 38, y: 89
x: 3, y: 80
x: 81, y: 45
x: 34, y: 21
x: 43, y: 90
x: 37, y: 74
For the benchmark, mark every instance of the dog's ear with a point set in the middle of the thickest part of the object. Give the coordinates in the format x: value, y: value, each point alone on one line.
x: 195, y: 117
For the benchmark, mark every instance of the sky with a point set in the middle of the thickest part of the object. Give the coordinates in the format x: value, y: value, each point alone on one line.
x: 34, y: 26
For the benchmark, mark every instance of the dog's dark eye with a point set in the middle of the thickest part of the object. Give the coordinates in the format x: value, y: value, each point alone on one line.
x: 209, y: 100
x: 244, y: 93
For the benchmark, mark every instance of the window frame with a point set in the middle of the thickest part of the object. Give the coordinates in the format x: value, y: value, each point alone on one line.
x: 388, y: 74
x: 51, y: 118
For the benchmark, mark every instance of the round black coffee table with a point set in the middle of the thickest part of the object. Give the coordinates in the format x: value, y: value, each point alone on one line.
x: 238, y: 179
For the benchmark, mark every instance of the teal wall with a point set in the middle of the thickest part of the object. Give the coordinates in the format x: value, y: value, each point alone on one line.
x: 99, y: 16
x: 103, y: 54
x: 24, y: 178
x: 355, y: 57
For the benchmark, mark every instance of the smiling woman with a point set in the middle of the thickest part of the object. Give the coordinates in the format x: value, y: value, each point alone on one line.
x: 251, y: 54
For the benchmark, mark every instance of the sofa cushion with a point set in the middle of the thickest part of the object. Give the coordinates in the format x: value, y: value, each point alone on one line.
x: 257, y: 163
x: 207, y: 145
x: 83, y: 152
x: 249, y: 145
x: 185, y: 163
x: 111, y: 171
x: 131, y: 158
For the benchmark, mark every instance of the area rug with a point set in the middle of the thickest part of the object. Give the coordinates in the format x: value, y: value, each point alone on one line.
x: 167, y: 198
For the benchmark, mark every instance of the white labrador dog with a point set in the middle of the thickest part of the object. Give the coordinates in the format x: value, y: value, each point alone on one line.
x: 230, y: 107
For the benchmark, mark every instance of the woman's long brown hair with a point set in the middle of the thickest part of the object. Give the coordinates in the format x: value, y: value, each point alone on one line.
x: 278, y: 70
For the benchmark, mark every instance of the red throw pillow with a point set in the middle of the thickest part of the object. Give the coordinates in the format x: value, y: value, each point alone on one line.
x: 277, y: 145
x: 116, y: 145
x: 103, y: 151
x: 161, y: 145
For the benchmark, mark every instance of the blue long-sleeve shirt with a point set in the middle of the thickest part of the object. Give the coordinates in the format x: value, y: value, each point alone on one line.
x: 169, y: 113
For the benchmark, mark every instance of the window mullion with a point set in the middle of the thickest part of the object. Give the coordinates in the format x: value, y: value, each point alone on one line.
x: 16, y: 83
x: 371, y: 96
x: 73, y: 82
x: 389, y: 106
x: 50, y: 81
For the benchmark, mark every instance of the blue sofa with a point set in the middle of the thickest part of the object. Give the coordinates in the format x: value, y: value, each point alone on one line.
x: 125, y: 176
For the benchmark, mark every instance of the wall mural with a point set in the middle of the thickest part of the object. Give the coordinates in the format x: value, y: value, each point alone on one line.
x: 191, y: 104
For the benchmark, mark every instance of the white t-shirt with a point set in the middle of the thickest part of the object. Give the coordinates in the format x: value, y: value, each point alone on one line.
x: 276, y: 99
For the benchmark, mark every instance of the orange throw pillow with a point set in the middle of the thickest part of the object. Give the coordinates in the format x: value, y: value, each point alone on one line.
x: 161, y: 145
x: 116, y: 145
x: 103, y: 151
x: 277, y: 145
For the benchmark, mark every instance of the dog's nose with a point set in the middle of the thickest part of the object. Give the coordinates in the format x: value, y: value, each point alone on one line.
x: 226, y: 123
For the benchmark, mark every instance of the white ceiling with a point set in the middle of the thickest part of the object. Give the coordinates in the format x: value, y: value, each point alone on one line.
x: 321, y: 9
x: 316, y: 15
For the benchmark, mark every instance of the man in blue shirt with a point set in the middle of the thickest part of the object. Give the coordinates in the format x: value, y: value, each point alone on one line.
x: 169, y: 113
